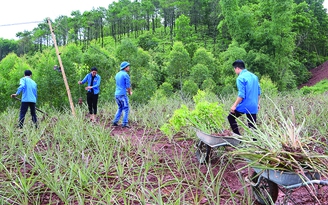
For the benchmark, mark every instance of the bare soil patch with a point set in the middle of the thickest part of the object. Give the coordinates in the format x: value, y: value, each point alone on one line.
x: 231, y: 182
x: 317, y: 74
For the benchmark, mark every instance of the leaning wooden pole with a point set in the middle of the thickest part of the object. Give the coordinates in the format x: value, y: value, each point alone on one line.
x: 62, y: 68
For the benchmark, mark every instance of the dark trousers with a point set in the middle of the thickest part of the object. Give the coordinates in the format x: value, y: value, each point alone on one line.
x: 251, y: 120
x: 23, y: 110
x: 92, y: 100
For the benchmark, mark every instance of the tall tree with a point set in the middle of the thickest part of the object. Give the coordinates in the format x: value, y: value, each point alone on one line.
x: 6, y: 47
x: 25, y: 43
x: 178, y: 64
x: 75, y: 23
x: 61, y: 29
x: 263, y: 27
x: 183, y: 29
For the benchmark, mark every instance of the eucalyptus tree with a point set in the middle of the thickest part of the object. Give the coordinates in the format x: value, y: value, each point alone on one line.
x: 101, y: 13
x: 42, y: 35
x: 7, y: 46
x: 278, y: 36
x: 156, y: 18
x: 211, y: 19
x: 138, y: 24
x: 119, y: 18
x: 189, y: 88
x: 87, y: 25
x: 183, y: 30
x: 140, y: 70
x: 112, y: 19
x: 147, y: 41
x: 310, y: 23
x: 75, y: 23
x: 168, y: 12
x: 199, y: 73
x: 126, y: 51
x: 206, y: 58
x: 51, y: 88
x: 93, y: 24
x: 25, y: 44
x: 61, y: 28
x: 148, y: 12
x: 204, y: 17
x: 38, y: 35
x: 263, y: 27
x: 126, y: 18
x: 178, y: 66
x: 225, y: 59
x: 96, y: 56
x: 196, y: 13
x: 11, y: 70
x: 146, y: 88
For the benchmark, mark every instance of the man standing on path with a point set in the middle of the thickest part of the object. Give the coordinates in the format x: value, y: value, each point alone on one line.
x: 123, y: 86
x: 248, y: 99
x: 93, y: 89
x: 29, y: 89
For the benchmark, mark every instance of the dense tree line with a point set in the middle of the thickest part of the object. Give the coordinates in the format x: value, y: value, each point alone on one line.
x: 174, y: 46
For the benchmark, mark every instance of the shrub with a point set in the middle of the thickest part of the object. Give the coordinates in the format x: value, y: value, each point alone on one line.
x: 206, y: 116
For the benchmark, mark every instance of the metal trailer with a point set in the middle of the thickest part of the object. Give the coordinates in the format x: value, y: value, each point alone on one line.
x: 207, y: 142
x: 266, y: 184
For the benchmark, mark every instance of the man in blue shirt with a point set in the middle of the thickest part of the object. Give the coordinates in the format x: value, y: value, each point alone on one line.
x: 29, y: 89
x: 248, y: 99
x: 93, y: 89
x: 123, y: 87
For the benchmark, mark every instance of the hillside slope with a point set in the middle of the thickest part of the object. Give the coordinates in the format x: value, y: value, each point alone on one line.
x: 319, y: 73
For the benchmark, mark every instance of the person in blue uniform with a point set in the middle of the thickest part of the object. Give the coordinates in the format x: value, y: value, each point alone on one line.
x: 29, y: 91
x: 93, y: 89
x: 123, y: 89
x: 248, y: 99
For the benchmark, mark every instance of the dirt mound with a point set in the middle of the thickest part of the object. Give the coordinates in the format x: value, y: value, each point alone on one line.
x: 319, y: 73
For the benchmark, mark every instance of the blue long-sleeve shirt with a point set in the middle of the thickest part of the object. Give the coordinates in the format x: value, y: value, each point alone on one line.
x: 122, y: 82
x: 249, y: 90
x: 29, y: 89
x: 96, y: 82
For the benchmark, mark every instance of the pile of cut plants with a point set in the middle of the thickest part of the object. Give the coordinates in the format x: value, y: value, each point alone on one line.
x: 208, y: 117
x: 283, y: 144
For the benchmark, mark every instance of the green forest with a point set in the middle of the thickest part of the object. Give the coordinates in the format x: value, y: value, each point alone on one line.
x: 174, y: 47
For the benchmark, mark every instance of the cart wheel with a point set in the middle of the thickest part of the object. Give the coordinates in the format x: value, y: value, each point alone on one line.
x: 203, y: 152
x: 266, y: 192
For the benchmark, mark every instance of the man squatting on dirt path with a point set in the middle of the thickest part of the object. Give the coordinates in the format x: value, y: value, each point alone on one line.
x: 29, y: 89
x: 123, y: 86
x: 92, y: 89
x: 248, y: 99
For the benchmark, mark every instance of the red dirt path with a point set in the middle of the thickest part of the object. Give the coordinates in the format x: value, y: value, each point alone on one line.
x: 231, y: 178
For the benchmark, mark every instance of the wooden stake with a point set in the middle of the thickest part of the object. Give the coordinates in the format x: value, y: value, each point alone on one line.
x: 62, y: 69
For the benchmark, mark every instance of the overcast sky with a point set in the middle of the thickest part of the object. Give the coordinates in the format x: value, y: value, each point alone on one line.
x: 23, y: 11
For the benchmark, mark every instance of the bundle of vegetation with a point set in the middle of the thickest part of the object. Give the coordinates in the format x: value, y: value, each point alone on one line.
x: 283, y: 144
x: 206, y: 116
